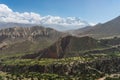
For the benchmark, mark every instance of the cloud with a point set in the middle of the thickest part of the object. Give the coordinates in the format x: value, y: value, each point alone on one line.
x: 4, y: 8
x: 8, y: 15
x: 92, y: 24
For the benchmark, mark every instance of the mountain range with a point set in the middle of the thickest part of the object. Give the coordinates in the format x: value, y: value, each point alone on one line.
x: 48, y: 42
x: 81, y: 40
x: 108, y: 29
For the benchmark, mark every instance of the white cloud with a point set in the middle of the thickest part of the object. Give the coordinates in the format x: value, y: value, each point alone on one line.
x: 8, y: 15
x: 4, y: 8
x: 92, y: 24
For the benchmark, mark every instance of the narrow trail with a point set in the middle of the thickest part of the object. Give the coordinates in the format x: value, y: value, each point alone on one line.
x: 103, y: 78
x: 112, y: 75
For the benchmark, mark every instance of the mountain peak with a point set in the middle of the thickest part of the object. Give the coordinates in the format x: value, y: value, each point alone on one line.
x: 66, y: 47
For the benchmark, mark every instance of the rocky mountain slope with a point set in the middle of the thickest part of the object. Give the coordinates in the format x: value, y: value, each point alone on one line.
x: 67, y: 46
x: 25, y: 39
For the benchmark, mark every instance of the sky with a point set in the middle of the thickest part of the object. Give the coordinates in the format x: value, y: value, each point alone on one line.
x: 90, y: 10
x: 60, y: 11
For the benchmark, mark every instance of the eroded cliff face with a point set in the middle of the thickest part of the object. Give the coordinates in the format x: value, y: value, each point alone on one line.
x: 26, y: 39
x: 29, y: 33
